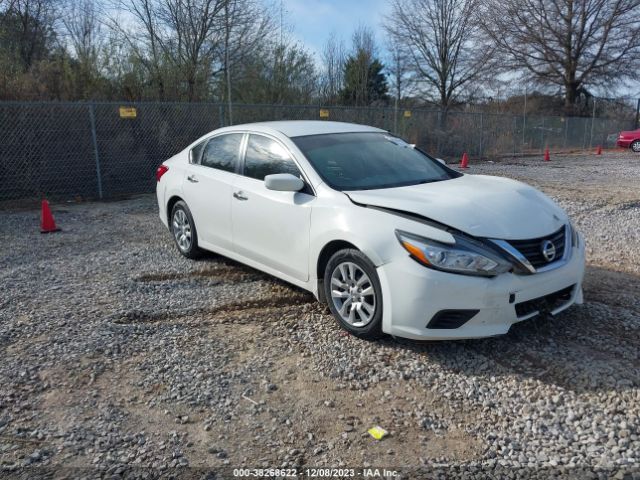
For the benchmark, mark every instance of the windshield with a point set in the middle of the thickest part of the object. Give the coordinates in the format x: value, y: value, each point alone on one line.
x: 365, y: 161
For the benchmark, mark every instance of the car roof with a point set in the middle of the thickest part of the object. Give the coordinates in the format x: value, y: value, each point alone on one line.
x: 300, y: 128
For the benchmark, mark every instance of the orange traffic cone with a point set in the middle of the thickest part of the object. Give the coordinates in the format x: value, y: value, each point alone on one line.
x: 464, y: 163
x: 599, y: 150
x: 547, y: 157
x: 47, y: 223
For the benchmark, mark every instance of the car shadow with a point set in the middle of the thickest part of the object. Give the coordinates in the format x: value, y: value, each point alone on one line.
x: 589, y: 347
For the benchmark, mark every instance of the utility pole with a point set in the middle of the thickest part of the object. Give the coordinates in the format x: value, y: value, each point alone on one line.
x: 227, y: 71
x: 395, y: 116
x: 593, y: 119
x: 281, y: 20
x: 524, y: 116
x: 398, y: 90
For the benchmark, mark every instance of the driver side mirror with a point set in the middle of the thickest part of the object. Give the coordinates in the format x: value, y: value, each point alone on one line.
x: 283, y: 182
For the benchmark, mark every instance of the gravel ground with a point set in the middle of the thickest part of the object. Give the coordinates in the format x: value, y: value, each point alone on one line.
x: 118, y: 353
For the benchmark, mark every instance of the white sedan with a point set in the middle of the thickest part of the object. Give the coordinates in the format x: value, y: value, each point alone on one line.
x: 392, y: 239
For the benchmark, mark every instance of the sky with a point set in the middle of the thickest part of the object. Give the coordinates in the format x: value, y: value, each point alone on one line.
x: 313, y: 21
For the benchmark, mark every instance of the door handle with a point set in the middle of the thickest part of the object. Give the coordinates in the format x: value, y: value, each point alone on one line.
x: 192, y: 179
x: 240, y: 196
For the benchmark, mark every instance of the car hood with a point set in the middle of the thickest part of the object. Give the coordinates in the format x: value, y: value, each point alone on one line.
x: 480, y: 205
x: 630, y: 133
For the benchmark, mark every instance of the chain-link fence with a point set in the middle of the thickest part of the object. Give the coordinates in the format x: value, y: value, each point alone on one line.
x: 107, y: 150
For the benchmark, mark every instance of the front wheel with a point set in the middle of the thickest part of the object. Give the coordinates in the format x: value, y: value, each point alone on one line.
x: 635, y: 146
x: 184, y: 230
x: 353, y: 291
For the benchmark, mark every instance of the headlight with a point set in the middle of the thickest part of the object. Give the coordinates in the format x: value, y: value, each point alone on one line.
x: 465, y: 256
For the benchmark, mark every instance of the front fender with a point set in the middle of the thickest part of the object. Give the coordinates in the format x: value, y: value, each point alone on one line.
x: 370, y: 230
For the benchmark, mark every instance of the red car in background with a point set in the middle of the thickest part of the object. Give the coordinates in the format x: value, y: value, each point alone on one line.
x: 630, y: 139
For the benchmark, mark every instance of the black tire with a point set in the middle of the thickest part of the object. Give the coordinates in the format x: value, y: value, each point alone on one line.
x: 181, y: 212
x: 373, y: 329
x: 635, y: 146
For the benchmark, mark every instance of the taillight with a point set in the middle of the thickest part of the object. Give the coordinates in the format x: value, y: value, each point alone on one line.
x: 162, y: 169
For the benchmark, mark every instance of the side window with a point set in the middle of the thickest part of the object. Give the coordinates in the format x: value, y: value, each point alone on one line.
x: 222, y: 152
x: 265, y: 157
x: 196, y: 152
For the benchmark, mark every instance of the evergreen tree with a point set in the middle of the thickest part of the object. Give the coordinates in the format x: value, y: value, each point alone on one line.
x: 364, y: 80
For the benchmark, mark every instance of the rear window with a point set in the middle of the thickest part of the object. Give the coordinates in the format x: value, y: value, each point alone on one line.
x: 196, y: 152
x: 222, y: 152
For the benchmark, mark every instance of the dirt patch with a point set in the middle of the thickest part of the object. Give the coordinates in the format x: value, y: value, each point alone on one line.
x: 221, y: 273
x: 239, y: 309
x: 305, y: 409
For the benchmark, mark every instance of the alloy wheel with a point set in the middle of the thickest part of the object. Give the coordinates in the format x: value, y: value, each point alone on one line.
x: 635, y: 146
x: 352, y: 294
x: 182, y: 230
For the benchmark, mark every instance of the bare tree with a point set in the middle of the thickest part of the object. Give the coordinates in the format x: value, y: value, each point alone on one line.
x: 441, y: 37
x: 333, y: 59
x: 32, y: 29
x: 182, y: 34
x: 399, y: 74
x: 6, y: 5
x: 246, y: 25
x: 290, y: 74
x: 144, y: 39
x: 569, y: 43
x: 82, y: 27
x: 363, y: 39
x: 193, y: 23
x: 269, y: 65
x: 399, y: 69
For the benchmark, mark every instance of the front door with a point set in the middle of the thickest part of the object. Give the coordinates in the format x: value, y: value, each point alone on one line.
x: 271, y: 227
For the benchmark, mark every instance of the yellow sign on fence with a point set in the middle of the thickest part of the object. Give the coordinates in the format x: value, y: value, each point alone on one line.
x: 128, y: 112
x: 407, y: 114
x: 324, y: 113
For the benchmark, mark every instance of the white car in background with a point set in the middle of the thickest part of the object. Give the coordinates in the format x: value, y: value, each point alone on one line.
x: 392, y: 239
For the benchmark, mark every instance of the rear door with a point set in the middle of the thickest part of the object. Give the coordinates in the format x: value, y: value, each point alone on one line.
x: 207, y: 187
x: 271, y: 227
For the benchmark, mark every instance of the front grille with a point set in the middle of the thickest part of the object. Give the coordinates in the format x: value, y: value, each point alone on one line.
x: 450, y: 319
x: 546, y: 304
x: 532, y: 249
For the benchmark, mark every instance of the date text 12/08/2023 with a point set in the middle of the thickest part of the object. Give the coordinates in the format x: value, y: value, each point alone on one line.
x: 318, y: 473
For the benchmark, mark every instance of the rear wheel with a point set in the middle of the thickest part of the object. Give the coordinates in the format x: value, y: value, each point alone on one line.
x: 353, y: 291
x: 184, y: 230
x: 635, y: 146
